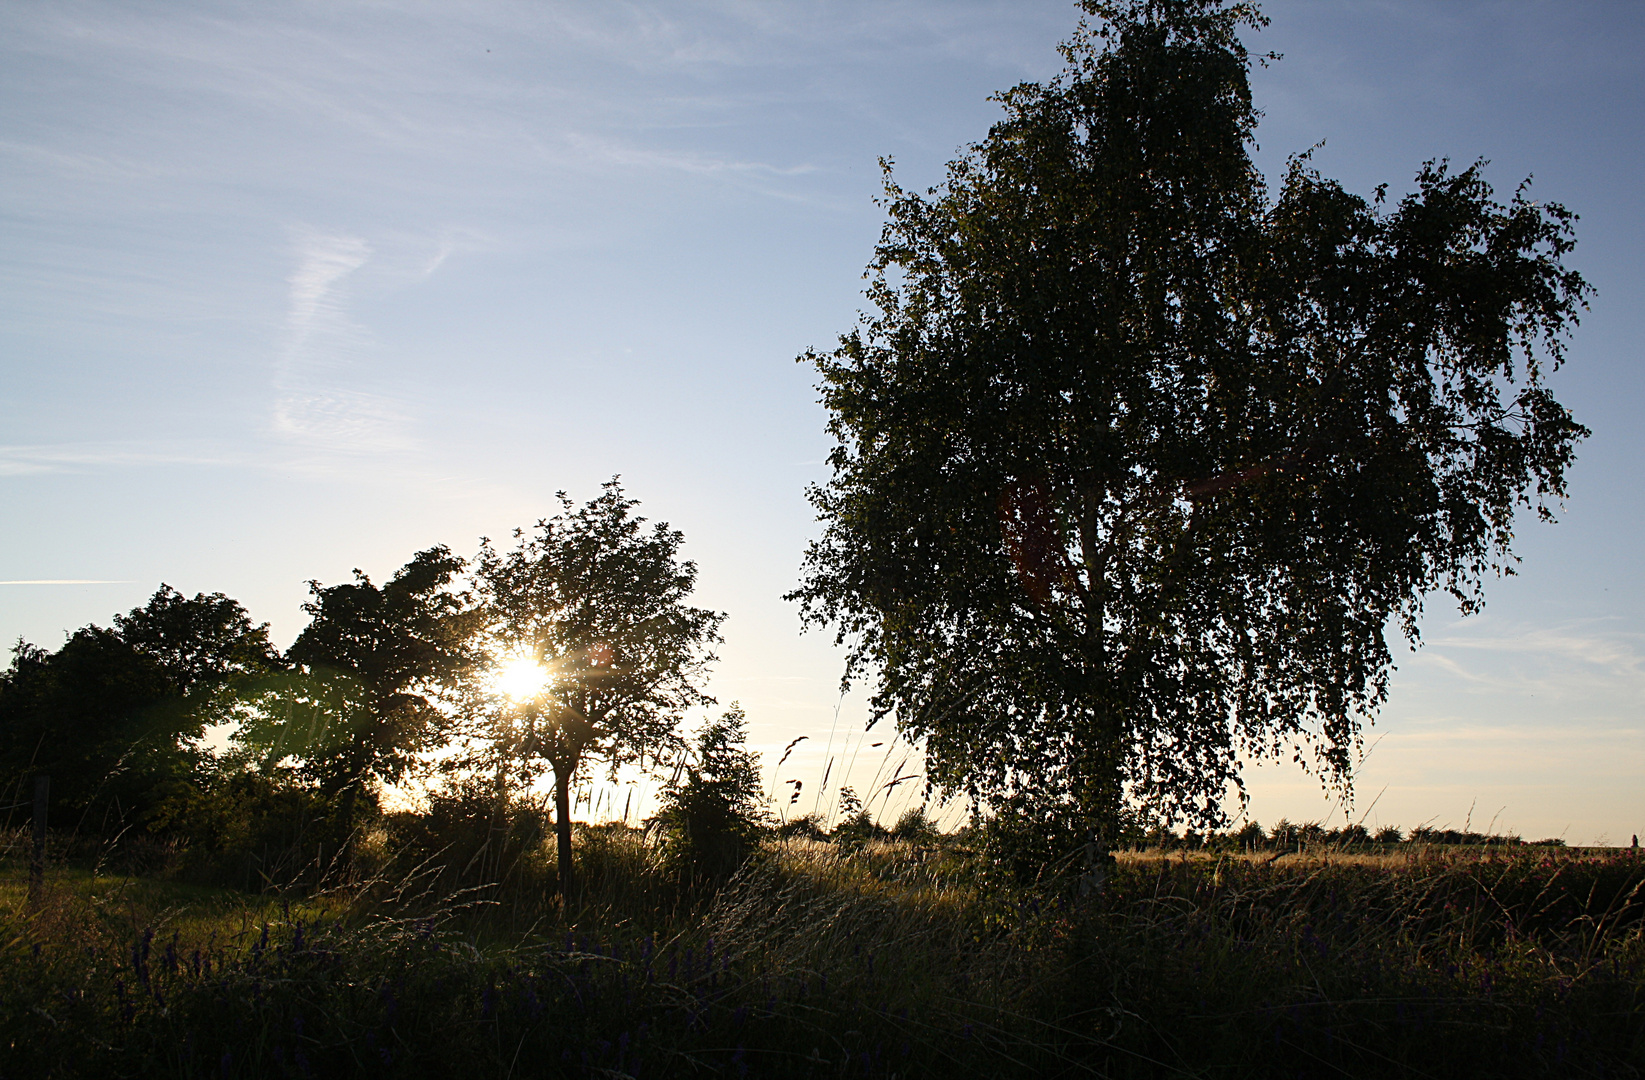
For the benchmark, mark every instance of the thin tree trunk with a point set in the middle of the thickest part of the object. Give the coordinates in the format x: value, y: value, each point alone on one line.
x: 562, y: 830
x: 37, y: 858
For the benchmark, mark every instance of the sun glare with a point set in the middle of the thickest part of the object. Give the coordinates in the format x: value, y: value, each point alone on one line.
x: 520, y: 678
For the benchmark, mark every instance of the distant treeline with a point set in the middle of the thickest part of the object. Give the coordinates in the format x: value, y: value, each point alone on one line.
x: 1287, y: 834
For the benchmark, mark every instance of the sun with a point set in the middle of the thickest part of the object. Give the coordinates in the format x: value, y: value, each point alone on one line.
x: 520, y: 678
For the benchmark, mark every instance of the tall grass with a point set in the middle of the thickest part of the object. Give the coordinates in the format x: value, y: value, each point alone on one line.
x: 890, y: 959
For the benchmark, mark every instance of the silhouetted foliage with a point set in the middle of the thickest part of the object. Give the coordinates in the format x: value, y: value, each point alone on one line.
x: 856, y: 825
x: 115, y: 714
x: 804, y: 827
x: 1135, y: 463
x: 200, y: 643
x: 712, y: 820
x: 1424, y: 834
x: 373, y: 662
x: 100, y: 718
x: 255, y: 828
x: 471, y: 833
x: 1026, y: 839
x: 915, y: 827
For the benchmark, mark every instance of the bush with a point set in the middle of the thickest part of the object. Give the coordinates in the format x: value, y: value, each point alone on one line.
x: 712, y: 822
x: 915, y: 827
x: 804, y: 827
x: 1025, y: 842
x: 256, y: 829
x: 470, y: 835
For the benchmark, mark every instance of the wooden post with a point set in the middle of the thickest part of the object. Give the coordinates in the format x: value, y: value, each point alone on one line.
x: 37, y: 863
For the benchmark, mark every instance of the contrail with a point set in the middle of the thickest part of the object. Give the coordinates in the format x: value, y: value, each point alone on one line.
x: 68, y: 581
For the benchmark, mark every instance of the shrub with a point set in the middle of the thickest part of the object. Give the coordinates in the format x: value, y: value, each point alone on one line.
x: 713, y: 821
x: 1024, y: 842
x: 255, y: 829
x: 915, y: 827
x: 856, y: 825
x: 470, y: 834
x: 804, y: 827
x: 1350, y: 834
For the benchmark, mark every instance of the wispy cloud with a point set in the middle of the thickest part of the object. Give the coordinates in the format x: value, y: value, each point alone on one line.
x: 1589, y: 642
x: 601, y: 153
x: 118, y: 168
x: 315, y: 319
x: 343, y: 420
x: 26, y: 460
x: 620, y: 153
x: 1589, y: 659
x: 311, y: 408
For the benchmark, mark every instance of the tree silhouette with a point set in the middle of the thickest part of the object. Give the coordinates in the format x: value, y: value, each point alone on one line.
x: 200, y: 643
x: 113, y: 716
x: 374, y: 661
x: 711, y: 820
x: 1135, y: 463
x: 600, y: 600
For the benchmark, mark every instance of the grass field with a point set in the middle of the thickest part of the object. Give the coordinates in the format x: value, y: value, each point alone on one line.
x: 890, y: 959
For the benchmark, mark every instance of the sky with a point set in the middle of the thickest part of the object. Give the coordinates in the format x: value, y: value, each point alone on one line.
x: 288, y: 289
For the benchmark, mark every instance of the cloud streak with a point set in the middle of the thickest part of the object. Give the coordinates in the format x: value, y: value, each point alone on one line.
x: 315, y: 315
x: 30, y: 460
x: 311, y: 409
x: 1593, y: 660
x: 1618, y: 652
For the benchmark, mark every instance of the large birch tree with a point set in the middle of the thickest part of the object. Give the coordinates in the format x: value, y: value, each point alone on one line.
x: 1137, y: 464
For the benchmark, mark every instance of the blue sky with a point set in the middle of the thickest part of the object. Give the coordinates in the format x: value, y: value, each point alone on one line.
x: 287, y: 289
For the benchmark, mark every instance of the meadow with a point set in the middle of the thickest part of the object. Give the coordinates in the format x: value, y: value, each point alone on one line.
x: 835, y: 958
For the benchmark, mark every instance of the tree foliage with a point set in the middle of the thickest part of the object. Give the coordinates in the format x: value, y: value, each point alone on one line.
x: 1135, y: 462
x: 115, y: 714
x: 712, y: 818
x: 200, y: 643
x: 601, y: 601
x: 373, y: 664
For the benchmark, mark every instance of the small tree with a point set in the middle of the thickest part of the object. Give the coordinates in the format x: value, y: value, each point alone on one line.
x: 915, y: 826
x: 600, y: 601
x: 855, y: 825
x: 713, y: 819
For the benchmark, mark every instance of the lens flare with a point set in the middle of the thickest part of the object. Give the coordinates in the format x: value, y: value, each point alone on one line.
x: 520, y: 678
